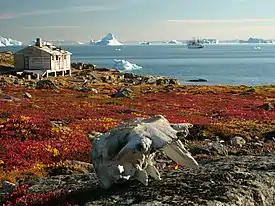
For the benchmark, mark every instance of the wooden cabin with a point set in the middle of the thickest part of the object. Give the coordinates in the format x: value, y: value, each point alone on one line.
x: 42, y: 60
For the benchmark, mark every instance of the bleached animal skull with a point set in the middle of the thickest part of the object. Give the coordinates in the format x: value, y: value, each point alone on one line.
x: 128, y: 150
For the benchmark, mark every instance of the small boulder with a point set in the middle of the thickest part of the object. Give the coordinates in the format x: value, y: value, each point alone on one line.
x: 269, y: 136
x: 182, y: 129
x: 268, y: 106
x: 130, y: 76
x: 123, y: 92
x: 237, y: 141
x: 28, y: 95
x: 94, y: 90
x: 45, y: 84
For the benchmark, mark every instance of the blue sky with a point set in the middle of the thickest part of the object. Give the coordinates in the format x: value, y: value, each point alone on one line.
x: 136, y: 19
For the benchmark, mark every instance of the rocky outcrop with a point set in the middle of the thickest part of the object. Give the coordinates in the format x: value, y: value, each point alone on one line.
x: 6, y: 62
x: 113, y: 76
x: 247, y: 180
x: 6, y: 58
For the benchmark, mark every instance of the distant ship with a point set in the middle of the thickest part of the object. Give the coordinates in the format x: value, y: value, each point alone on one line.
x: 195, y: 44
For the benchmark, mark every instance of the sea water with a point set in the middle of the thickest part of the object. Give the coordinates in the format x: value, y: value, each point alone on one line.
x: 218, y: 64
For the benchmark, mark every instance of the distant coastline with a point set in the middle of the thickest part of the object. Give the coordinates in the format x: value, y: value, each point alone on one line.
x: 6, y: 42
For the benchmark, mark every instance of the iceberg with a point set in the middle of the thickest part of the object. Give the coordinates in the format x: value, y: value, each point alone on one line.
x: 125, y: 65
x: 109, y: 40
x: 174, y: 42
x: 9, y: 42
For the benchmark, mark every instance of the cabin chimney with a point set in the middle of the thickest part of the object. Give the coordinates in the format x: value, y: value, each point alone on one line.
x: 38, y: 42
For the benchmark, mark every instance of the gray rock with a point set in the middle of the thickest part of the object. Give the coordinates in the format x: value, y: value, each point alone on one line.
x: 8, y: 98
x: 243, y: 180
x: 162, y: 81
x: 16, y: 81
x: 237, y: 141
x: 28, y: 95
x: 82, y: 89
x: 182, y: 129
x: 83, y: 166
x: 269, y: 106
x: 130, y: 75
x: 218, y: 148
x: 78, y: 182
x: 123, y: 92
x: 8, y: 186
x: 269, y: 135
x: 94, y: 90
x: 45, y: 84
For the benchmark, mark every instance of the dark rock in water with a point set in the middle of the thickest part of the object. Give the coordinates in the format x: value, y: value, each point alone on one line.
x: 243, y: 180
x: 197, y: 80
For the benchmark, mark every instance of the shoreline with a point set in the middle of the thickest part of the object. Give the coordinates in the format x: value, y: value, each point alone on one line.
x: 6, y: 64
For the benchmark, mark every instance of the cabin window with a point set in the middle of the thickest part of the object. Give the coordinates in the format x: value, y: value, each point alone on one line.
x: 52, y: 57
x: 56, y: 57
x: 65, y: 57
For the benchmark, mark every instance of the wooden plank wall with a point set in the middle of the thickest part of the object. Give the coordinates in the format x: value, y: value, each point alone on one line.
x: 19, y: 61
x: 43, y: 62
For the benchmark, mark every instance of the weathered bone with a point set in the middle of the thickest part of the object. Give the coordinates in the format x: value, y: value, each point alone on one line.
x: 128, y: 150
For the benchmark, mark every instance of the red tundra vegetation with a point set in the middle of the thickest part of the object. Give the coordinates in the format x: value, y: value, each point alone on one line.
x: 30, y: 142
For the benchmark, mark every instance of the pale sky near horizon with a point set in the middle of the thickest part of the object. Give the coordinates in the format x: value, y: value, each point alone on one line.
x: 138, y: 20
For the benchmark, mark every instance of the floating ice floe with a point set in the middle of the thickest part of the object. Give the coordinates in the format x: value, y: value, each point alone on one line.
x: 9, y: 42
x: 125, y: 65
x: 256, y: 48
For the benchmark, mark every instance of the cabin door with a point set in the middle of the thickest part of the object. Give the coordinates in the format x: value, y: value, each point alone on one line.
x: 26, y: 63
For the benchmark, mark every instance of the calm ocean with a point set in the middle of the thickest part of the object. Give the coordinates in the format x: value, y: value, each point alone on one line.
x: 218, y: 64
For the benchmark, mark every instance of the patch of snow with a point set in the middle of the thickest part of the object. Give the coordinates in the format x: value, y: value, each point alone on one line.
x: 9, y: 42
x: 109, y: 40
x: 125, y: 65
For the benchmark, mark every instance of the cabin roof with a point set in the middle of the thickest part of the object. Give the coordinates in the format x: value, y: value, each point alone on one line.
x: 51, y: 49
